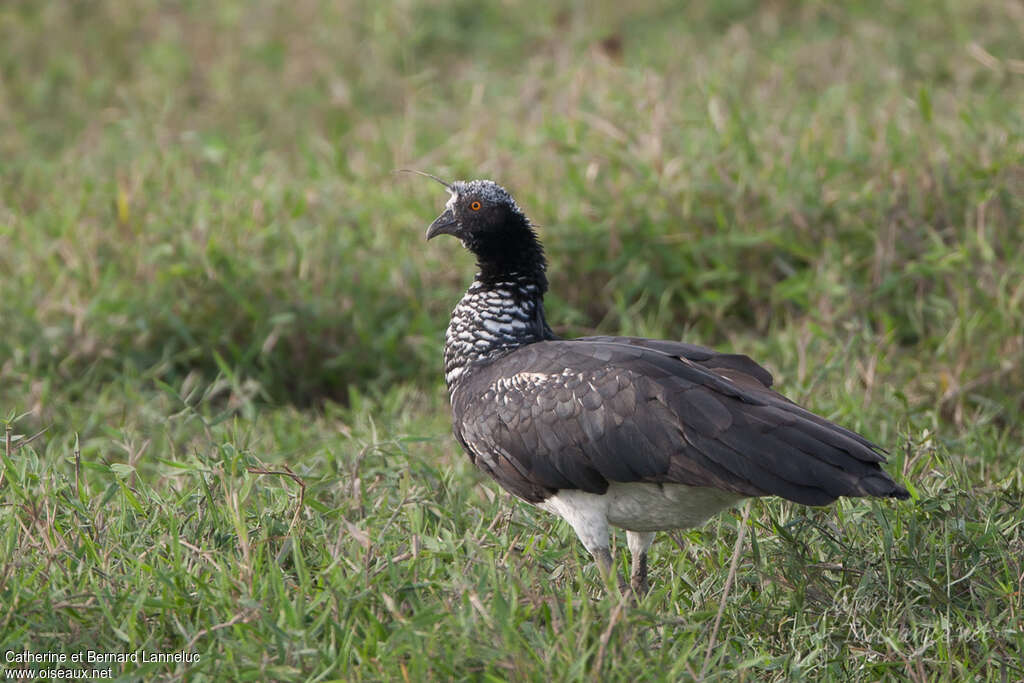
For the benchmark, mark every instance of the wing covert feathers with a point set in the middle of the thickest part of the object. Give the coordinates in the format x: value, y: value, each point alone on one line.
x: 581, y: 413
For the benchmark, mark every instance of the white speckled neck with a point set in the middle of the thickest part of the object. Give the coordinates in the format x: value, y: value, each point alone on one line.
x: 490, y: 321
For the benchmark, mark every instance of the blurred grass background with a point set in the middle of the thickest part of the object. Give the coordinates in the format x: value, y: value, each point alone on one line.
x: 207, y: 264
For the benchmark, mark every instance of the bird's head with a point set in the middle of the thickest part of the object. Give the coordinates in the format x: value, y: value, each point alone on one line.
x: 477, y: 212
x: 488, y: 222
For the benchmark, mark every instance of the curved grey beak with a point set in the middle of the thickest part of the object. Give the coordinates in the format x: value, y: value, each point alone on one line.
x: 445, y: 224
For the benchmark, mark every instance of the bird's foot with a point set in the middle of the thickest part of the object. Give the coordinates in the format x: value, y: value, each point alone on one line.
x: 639, y: 586
x: 638, y: 576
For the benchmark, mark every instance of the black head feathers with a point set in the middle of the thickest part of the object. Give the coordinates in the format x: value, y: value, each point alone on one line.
x: 485, y: 217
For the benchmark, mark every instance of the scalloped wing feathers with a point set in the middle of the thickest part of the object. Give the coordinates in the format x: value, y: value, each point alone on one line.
x: 578, y: 414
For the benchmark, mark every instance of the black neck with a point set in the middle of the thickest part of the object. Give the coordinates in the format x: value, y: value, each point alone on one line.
x: 514, y: 256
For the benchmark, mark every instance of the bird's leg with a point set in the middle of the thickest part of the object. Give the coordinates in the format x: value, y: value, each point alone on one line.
x: 603, y: 557
x: 638, y: 577
x: 639, y: 542
x: 586, y: 514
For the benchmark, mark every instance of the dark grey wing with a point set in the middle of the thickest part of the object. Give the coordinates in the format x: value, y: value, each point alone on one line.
x: 572, y: 414
x: 702, y: 355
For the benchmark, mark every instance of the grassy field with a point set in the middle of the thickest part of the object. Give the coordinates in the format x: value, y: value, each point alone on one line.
x: 225, y: 432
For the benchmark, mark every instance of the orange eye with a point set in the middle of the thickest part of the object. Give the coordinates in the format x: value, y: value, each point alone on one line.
x: 475, y: 206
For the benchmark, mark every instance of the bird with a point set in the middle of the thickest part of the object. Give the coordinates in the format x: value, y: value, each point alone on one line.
x: 641, y: 434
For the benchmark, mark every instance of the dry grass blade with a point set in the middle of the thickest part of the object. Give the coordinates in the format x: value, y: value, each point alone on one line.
x: 606, y: 636
x: 725, y: 591
x: 242, y: 617
x: 286, y: 472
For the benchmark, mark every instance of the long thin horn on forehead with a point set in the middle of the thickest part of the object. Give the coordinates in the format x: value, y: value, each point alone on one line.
x: 426, y: 175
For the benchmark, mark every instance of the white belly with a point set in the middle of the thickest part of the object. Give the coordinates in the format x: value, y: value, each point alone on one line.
x: 639, y: 506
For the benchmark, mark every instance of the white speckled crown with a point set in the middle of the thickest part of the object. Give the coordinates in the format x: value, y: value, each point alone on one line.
x: 487, y: 190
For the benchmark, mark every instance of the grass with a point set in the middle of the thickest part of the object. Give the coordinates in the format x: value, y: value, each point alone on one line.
x: 222, y: 328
